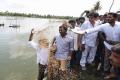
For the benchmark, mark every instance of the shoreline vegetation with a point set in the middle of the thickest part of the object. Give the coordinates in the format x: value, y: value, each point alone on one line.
x: 15, y: 14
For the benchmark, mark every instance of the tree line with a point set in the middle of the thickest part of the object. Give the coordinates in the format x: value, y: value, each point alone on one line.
x: 6, y: 13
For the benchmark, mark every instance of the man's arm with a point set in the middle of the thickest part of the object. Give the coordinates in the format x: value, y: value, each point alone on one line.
x: 79, y: 40
x: 31, y: 35
x: 112, y: 42
x: 88, y: 31
x: 71, y: 48
x: 95, y: 29
x: 31, y: 42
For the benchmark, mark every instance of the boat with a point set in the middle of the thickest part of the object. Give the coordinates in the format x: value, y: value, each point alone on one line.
x: 14, y: 26
x: 2, y: 24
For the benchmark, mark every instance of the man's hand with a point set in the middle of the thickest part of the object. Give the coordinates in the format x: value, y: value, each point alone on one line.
x: 80, y: 47
x: 83, y: 47
x: 69, y: 58
x: 78, y: 31
x: 33, y: 31
x: 31, y: 35
x: 110, y: 42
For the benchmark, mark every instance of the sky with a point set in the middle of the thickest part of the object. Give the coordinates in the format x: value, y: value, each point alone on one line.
x: 56, y: 7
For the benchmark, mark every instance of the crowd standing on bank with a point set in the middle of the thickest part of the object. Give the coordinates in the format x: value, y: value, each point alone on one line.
x: 85, y: 50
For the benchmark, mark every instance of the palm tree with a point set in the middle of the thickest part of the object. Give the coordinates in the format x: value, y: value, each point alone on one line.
x: 111, y: 5
x: 96, y: 7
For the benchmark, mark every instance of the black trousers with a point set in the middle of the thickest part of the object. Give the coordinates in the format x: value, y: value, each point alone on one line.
x: 41, y: 70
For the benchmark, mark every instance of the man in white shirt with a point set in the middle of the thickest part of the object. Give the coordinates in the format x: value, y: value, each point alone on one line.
x: 42, y: 53
x: 80, y: 21
x: 111, y: 29
x: 76, y: 52
x: 89, y: 41
x: 72, y: 24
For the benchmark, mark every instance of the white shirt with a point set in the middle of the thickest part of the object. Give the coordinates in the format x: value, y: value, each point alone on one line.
x: 89, y: 39
x: 112, y: 33
x: 75, y: 37
x: 42, y: 53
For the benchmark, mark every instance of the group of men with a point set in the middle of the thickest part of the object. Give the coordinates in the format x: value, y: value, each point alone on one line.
x: 111, y: 30
x: 81, y: 46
